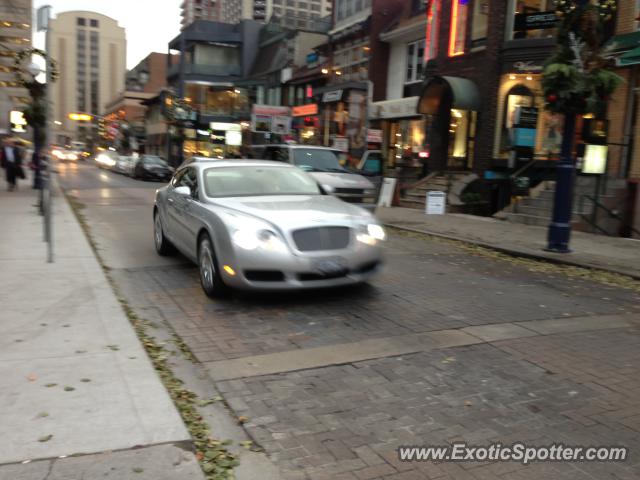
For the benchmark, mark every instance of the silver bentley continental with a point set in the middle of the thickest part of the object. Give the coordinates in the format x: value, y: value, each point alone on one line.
x: 264, y: 225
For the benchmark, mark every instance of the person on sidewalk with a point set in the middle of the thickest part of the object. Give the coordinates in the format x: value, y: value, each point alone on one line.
x: 12, y: 164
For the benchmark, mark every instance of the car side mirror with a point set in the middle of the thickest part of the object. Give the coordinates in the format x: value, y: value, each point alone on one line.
x: 183, y: 190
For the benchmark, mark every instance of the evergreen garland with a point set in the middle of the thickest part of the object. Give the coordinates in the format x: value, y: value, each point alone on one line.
x: 578, y: 78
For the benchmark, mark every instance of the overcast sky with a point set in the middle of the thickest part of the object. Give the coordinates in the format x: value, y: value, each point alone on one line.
x: 149, y: 24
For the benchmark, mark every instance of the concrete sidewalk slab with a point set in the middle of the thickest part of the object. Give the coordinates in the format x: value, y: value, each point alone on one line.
x: 162, y: 462
x: 62, y: 324
x: 613, y: 254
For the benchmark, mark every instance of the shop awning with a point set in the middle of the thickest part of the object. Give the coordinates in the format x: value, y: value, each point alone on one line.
x: 464, y: 94
x: 624, y: 42
x: 632, y: 57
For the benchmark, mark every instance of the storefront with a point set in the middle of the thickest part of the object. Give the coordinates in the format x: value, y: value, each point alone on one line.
x: 450, y: 106
x: 270, y: 124
x: 306, y: 124
x: 343, y: 123
x: 403, y: 131
x: 520, y: 90
x: 219, y: 140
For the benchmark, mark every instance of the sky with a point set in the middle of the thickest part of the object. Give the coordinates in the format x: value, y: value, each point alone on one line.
x: 149, y: 24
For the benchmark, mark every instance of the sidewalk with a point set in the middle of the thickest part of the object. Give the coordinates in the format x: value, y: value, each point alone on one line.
x: 618, y: 255
x: 75, y: 380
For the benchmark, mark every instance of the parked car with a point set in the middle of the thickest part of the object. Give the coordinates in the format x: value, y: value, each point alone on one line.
x: 107, y: 159
x: 371, y: 163
x: 125, y: 164
x: 323, y: 164
x: 264, y: 225
x: 152, y: 167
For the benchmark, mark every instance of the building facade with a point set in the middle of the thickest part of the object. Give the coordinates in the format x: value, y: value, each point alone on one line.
x: 215, y: 60
x: 296, y: 14
x: 192, y: 10
x: 624, y: 116
x: 15, y: 35
x: 90, y: 49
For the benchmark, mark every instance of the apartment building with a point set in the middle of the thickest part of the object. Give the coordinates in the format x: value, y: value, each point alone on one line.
x: 15, y: 35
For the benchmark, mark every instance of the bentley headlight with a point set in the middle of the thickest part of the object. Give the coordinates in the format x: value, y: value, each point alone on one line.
x: 246, y: 239
x: 264, y: 239
x: 376, y: 231
x: 372, y: 234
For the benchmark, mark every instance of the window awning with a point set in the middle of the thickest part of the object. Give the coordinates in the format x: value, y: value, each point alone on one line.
x: 464, y: 94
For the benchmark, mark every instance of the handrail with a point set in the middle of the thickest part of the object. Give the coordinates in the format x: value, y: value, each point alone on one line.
x: 524, y: 168
x: 608, y: 211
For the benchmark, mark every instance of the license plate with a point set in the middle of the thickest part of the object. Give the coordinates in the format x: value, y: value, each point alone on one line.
x: 328, y: 266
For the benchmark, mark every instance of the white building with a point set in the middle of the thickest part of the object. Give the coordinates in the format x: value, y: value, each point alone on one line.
x: 90, y: 49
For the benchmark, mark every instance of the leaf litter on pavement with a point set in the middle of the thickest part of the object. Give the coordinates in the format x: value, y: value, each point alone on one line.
x: 215, y: 459
x: 537, y: 266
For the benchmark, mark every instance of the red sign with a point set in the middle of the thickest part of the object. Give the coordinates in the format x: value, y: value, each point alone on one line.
x: 305, y: 110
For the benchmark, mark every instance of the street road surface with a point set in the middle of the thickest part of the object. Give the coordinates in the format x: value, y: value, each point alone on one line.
x: 445, y: 345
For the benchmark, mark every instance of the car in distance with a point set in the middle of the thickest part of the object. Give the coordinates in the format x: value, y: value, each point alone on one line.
x: 152, y: 167
x: 264, y: 225
x: 323, y: 164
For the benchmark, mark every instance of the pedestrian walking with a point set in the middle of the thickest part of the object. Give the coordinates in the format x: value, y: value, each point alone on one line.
x: 12, y: 164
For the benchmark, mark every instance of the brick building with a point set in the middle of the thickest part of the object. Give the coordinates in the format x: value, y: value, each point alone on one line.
x: 624, y: 115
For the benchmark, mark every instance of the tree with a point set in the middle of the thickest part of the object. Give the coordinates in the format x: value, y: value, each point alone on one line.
x: 577, y: 80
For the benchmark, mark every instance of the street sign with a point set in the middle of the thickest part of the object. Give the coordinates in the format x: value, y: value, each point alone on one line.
x: 436, y: 203
x: 42, y: 18
x: 80, y: 117
x: 535, y: 21
x: 374, y: 136
x: 385, y: 199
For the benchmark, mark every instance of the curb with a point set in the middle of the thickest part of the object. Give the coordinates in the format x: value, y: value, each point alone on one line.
x: 516, y: 253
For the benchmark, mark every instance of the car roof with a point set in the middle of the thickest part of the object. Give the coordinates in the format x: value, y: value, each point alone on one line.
x: 238, y: 163
x: 297, y: 145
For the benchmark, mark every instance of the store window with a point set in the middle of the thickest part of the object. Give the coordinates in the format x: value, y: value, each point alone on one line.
x: 480, y: 23
x: 406, y: 140
x: 459, y: 13
x: 517, y: 92
x: 433, y: 19
x: 415, y: 61
x: 534, y: 19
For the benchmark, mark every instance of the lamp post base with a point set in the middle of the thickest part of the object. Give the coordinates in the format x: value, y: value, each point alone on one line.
x: 558, y: 239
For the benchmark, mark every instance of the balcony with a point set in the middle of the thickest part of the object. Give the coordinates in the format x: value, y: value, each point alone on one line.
x: 206, y: 70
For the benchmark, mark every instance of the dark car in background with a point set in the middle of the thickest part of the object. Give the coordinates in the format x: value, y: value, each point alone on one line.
x: 152, y: 167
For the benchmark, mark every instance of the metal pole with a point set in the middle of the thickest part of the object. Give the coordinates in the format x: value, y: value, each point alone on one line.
x: 46, y: 138
x: 560, y: 226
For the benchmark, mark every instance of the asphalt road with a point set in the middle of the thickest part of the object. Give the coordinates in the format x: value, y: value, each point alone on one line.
x: 447, y: 344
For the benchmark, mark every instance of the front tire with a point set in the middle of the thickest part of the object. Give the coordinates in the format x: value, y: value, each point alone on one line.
x: 210, y: 278
x: 163, y: 246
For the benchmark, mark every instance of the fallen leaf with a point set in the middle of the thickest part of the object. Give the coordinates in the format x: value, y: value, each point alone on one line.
x: 467, y: 403
x: 115, y: 348
x: 242, y: 419
x: 46, y: 438
x: 137, y: 470
x: 32, y: 377
x: 85, y: 380
x: 69, y: 389
x: 49, y: 385
x: 246, y: 444
x: 42, y: 415
x: 81, y: 351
